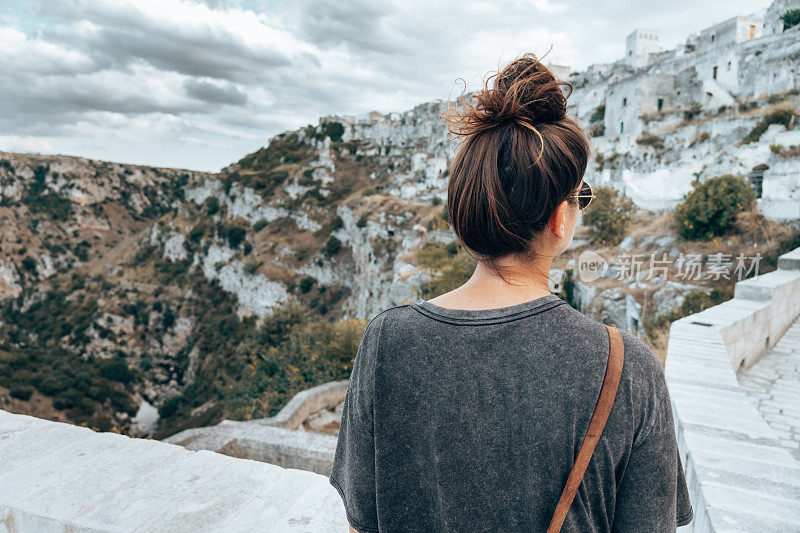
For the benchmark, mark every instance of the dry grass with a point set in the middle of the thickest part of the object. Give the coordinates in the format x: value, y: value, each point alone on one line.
x: 38, y: 405
x: 658, y: 343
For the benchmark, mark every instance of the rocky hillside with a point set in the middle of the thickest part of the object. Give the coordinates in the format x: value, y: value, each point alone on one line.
x: 124, y: 288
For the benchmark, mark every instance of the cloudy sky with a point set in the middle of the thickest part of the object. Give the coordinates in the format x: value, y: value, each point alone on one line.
x: 198, y: 84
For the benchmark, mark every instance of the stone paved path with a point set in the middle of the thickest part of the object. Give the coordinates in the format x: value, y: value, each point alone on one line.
x: 773, y: 384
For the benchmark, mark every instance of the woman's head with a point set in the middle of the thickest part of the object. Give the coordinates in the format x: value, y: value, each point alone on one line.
x: 513, y: 182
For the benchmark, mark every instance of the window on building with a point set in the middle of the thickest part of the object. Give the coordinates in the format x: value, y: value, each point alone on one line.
x: 729, y: 65
x: 752, y: 31
x: 660, y: 103
x: 621, y: 127
x: 756, y: 178
x: 714, y: 75
x: 757, y: 181
x: 712, y: 38
x: 624, y: 101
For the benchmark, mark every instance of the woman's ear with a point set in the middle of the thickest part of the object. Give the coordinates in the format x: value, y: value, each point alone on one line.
x: 558, y: 222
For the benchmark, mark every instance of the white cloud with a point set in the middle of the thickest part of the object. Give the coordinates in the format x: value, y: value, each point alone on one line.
x: 150, y: 81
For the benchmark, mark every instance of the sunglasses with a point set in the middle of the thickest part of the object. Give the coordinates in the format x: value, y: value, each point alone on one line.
x: 584, y: 196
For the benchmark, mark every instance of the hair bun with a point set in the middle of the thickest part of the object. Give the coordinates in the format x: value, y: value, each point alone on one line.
x: 524, y: 92
x: 527, y: 90
x: 522, y: 155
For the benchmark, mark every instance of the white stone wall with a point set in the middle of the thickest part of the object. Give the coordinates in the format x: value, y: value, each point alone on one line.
x: 740, y: 478
x: 58, y: 477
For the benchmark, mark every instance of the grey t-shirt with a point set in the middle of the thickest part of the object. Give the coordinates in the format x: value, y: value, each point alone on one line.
x: 470, y: 420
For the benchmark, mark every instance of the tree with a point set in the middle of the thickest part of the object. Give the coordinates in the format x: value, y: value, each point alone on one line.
x: 334, y: 130
x: 712, y: 207
x: 608, y: 216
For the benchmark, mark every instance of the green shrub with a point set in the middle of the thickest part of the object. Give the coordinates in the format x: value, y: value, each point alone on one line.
x: 170, y: 407
x: 711, y: 208
x: 608, y: 216
x: 333, y: 246
x: 305, y: 284
x: 790, y: 18
x: 21, y: 392
x: 568, y: 288
x: 235, y: 235
x: 334, y: 130
x: 212, y: 205
x: 694, y: 110
x: 599, y: 113
x: 116, y: 371
x: 29, y: 264
x: 779, y: 116
x: 168, y: 318
x: 260, y: 224
x: 198, y: 232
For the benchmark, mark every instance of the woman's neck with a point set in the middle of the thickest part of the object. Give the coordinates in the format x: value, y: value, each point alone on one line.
x: 486, y: 290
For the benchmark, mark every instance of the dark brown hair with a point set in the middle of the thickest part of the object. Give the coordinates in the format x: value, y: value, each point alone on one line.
x: 521, y: 156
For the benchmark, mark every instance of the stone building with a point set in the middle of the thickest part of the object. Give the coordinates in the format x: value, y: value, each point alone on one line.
x: 727, y: 62
x: 639, y: 45
x: 629, y: 98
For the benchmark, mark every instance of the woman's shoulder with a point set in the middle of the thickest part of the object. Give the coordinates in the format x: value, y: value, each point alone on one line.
x: 641, y: 364
x: 375, y: 326
x: 390, y: 313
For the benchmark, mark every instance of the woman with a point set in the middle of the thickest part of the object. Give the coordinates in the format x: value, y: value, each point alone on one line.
x: 466, y: 412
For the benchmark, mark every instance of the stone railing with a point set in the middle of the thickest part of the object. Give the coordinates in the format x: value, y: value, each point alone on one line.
x: 275, y: 439
x: 57, y: 477
x: 304, y: 403
x: 740, y: 478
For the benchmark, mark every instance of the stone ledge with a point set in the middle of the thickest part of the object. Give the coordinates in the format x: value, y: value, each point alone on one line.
x: 739, y: 476
x: 790, y: 260
x: 304, y: 403
x: 275, y: 439
x: 107, y: 482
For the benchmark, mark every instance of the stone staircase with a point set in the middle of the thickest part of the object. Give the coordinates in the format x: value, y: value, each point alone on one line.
x: 773, y: 385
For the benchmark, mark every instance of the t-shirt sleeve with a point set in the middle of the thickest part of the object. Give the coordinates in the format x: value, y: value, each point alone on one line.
x: 353, y: 471
x: 652, y: 495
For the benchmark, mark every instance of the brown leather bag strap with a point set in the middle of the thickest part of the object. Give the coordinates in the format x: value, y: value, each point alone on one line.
x: 616, y: 356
